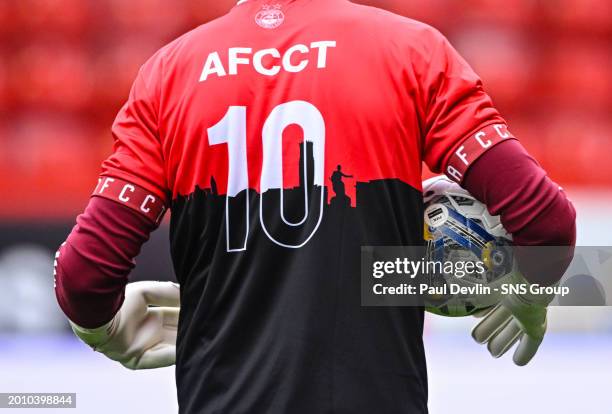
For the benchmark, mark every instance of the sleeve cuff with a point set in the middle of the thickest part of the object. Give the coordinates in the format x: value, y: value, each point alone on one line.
x: 94, y: 337
x: 473, y: 147
x: 144, y: 202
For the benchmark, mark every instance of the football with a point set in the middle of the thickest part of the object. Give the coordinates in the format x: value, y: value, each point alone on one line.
x: 459, y: 230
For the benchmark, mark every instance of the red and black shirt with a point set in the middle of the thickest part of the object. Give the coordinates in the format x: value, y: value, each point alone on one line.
x: 283, y: 138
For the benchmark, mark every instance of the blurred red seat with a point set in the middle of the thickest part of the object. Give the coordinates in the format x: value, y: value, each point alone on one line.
x: 585, y: 15
x: 160, y: 19
x: 49, y: 164
x: 51, y: 74
x: 577, y: 146
x: 579, y: 74
x: 503, y: 58
x: 114, y: 70
x: 45, y: 17
x: 516, y: 12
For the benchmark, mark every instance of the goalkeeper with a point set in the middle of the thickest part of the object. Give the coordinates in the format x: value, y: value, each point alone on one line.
x: 236, y: 128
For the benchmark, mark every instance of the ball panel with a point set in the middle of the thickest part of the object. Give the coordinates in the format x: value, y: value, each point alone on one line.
x: 458, y: 228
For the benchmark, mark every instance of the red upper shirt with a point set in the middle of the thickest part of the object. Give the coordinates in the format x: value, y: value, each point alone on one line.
x: 392, y: 93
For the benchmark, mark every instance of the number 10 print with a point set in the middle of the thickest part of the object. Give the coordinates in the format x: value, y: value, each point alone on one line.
x: 232, y: 130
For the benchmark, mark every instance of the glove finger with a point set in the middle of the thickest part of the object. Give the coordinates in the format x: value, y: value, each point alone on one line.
x: 169, y: 336
x: 481, y: 313
x: 526, y: 350
x: 161, y: 293
x: 505, y: 339
x: 169, y: 316
x: 491, y: 324
x: 159, y: 356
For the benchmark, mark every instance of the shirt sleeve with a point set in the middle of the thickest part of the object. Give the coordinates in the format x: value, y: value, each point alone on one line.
x: 137, y: 156
x: 457, y: 112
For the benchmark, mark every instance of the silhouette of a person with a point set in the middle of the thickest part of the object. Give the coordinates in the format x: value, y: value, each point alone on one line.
x: 337, y: 182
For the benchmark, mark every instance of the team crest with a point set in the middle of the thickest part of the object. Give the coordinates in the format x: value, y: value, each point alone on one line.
x: 270, y: 17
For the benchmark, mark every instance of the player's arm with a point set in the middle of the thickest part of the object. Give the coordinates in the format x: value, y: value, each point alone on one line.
x: 134, y: 324
x: 533, y: 208
x: 537, y: 213
x: 469, y: 141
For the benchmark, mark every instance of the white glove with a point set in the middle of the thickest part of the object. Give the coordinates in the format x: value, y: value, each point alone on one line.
x: 142, y: 335
x: 517, y: 318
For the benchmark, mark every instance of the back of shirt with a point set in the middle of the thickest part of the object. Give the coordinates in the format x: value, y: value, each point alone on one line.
x: 283, y: 137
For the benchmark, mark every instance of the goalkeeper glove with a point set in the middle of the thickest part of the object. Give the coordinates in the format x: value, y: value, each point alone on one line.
x: 142, y: 335
x: 517, y: 318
